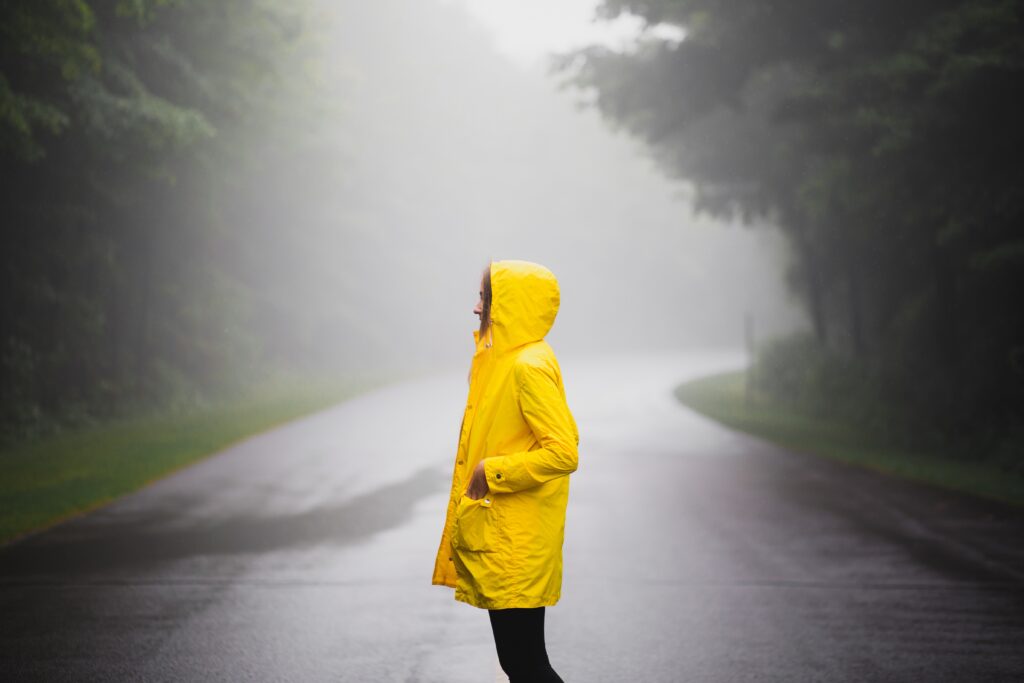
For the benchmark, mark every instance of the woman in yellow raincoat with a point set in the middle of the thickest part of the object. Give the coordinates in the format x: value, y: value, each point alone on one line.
x: 501, y: 548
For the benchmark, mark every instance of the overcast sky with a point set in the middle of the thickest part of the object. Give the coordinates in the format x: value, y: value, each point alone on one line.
x: 527, y: 30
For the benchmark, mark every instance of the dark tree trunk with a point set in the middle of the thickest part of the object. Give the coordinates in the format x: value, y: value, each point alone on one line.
x: 946, y: 328
x: 945, y: 321
x: 815, y: 300
x: 141, y: 346
x: 853, y: 294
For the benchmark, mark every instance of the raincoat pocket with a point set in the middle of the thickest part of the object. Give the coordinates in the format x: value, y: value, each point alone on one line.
x: 474, y: 522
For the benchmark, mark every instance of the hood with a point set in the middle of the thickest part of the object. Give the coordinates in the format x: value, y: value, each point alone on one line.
x: 524, y: 303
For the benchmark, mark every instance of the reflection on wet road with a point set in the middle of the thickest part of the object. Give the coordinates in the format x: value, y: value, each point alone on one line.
x: 692, y: 553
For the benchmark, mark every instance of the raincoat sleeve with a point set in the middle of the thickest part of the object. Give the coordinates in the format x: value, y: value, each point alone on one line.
x: 544, y: 408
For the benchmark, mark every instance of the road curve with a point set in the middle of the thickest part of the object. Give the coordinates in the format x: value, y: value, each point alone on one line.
x: 692, y: 553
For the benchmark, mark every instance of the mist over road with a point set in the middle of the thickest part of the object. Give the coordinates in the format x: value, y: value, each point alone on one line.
x: 692, y: 553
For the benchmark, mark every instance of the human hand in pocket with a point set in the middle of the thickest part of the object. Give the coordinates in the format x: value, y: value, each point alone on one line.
x: 477, y: 487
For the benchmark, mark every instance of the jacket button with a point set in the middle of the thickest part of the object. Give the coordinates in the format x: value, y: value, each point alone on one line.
x: 462, y: 462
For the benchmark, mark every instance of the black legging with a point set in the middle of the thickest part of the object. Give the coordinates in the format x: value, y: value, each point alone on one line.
x: 519, y: 638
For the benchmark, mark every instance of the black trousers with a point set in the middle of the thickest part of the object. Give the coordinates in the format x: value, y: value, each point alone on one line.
x: 519, y: 638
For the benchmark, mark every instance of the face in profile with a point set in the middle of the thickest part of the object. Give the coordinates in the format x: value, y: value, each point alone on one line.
x: 482, y: 310
x: 478, y: 310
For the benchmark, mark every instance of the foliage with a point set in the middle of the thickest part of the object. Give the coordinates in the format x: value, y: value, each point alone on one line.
x: 123, y: 126
x: 885, y: 141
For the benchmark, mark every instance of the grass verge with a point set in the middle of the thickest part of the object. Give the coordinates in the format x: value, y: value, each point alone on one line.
x: 723, y: 398
x: 48, y: 480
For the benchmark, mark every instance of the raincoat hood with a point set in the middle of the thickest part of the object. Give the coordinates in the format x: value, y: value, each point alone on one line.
x: 524, y: 303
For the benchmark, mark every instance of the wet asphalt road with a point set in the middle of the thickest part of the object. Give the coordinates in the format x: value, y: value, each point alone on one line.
x: 692, y: 554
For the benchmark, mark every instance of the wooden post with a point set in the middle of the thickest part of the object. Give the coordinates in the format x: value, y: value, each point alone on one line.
x: 748, y: 333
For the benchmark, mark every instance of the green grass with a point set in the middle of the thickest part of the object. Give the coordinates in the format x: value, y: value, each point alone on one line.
x: 723, y: 398
x: 50, y: 479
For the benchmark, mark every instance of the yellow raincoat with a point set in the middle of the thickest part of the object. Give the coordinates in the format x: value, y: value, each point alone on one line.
x: 505, y: 550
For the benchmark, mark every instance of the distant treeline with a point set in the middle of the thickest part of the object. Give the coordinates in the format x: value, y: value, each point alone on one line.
x: 886, y: 139
x: 125, y: 126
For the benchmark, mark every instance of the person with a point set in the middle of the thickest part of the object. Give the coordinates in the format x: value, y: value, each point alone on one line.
x: 501, y: 547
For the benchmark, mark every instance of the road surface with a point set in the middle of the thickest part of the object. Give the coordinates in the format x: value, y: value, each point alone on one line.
x: 692, y: 553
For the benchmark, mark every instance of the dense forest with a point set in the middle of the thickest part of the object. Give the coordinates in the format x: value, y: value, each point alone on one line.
x: 126, y: 141
x: 885, y: 139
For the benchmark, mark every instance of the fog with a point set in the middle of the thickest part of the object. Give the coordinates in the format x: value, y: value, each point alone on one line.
x: 432, y: 150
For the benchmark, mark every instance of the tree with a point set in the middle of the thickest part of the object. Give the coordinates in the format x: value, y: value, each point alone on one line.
x: 122, y: 126
x: 884, y: 140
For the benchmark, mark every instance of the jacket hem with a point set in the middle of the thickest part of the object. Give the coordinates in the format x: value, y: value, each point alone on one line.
x: 518, y: 602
